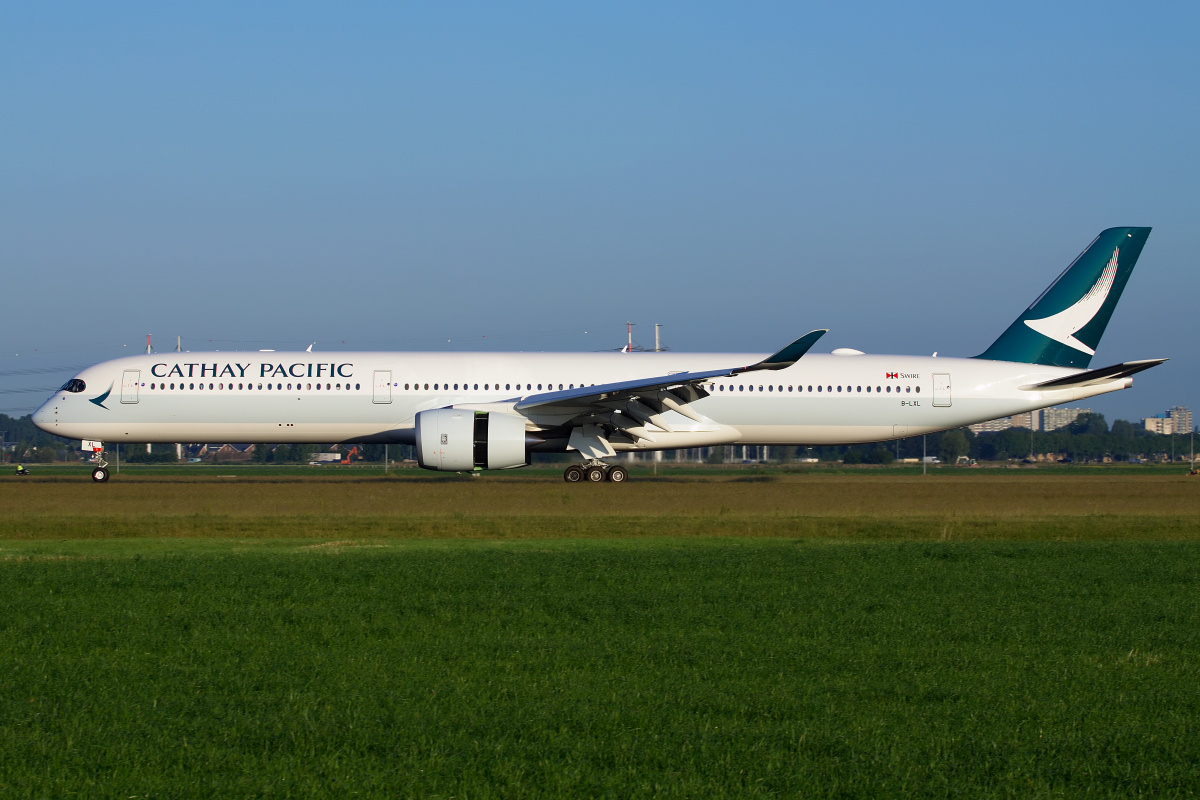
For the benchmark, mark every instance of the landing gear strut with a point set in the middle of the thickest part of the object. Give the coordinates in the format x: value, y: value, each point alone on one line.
x: 100, y: 473
x: 595, y: 471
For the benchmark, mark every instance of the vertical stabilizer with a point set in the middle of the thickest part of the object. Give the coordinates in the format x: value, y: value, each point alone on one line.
x: 1064, y: 325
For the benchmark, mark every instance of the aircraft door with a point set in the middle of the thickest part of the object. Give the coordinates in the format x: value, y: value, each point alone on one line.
x: 383, y: 386
x: 130, y: 380
x: 941, y: 388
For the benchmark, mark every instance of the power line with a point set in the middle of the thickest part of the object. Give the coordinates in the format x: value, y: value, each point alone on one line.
x: 41, y: 371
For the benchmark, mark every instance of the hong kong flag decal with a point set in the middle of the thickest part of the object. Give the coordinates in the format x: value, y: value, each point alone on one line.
x: 893, y: 375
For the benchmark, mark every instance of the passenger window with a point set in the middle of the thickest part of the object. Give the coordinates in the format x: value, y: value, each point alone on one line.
x: 819, y: 389
x: 860, y: 388
x: 918, y: 390
x: 357, y: 385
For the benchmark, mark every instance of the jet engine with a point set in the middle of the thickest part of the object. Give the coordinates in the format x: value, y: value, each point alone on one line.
x: 461, y: 440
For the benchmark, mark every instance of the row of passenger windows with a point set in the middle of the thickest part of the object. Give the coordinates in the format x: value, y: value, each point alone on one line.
x: 721, y: 388
x: 507, y: 387
x: 487, y: 387
x: 878, y: 389
x: 263, y: 387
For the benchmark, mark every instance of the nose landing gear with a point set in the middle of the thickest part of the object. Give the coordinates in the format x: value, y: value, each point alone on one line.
x: 100, y: 473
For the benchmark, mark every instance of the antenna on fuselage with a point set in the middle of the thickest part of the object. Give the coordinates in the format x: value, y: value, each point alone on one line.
x: 178, y: 344
x: 148, y: 350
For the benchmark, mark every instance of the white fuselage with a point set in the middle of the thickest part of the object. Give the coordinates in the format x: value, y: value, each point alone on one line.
x: 361, y: 396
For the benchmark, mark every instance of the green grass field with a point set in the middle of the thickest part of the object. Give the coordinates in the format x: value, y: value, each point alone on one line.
x: 870, y: 635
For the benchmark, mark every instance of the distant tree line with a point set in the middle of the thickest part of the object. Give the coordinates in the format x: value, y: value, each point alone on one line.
x: 1088, y: 438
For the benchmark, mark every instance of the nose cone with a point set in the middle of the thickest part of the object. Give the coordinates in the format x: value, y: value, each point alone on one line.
x: 44, y: 416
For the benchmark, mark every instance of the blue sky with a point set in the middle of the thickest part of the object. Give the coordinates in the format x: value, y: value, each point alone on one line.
x: 487, y: 176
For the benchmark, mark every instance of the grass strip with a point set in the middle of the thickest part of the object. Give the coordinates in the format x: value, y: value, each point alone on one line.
x: 631, y: 668
x: 956, y: 527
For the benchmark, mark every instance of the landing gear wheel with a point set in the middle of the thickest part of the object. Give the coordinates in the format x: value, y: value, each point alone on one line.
x: 100, y: 475
x: 594, y: 474
x: 618, y: 474
x: 573, y: 474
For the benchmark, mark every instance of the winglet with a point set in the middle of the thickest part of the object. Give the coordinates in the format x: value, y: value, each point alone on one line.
x: 788, y: 355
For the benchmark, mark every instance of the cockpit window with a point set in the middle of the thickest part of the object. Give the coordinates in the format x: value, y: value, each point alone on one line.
x: 73, y: 385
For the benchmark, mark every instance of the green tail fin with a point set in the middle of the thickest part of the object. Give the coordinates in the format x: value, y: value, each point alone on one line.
x: 1064, y: 325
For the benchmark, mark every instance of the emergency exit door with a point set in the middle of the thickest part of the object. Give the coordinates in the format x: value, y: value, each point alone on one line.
x: 130, y: 380
x: 941, y: 388
x: 383, y: 386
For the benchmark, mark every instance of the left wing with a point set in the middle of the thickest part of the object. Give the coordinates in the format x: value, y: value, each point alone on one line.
x: 592, y: 415
x: 586, y: 396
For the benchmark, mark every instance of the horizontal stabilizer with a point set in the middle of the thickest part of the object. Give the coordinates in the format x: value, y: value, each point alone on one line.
x: 1095, y: 376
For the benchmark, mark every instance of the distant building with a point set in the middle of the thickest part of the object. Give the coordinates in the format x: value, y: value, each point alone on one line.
x: 1159, y: 423
x: 1175, y: 420
x: 1031, y: 420
x: 1181, y: 419
x: 1055, y: 418
x: 991, y: 426
x: 1028, y: 420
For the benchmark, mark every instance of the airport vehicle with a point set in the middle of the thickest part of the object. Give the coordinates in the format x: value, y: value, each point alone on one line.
x: 480, y: 411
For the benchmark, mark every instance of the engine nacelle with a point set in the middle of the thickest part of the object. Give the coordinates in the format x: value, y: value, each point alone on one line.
x: 461, y: 440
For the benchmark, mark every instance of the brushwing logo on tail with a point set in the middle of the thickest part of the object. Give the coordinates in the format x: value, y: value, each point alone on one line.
x: 1061, y: 327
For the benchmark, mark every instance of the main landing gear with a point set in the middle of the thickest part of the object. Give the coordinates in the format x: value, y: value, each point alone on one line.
x: 100, y: 473
x: 595, y: 472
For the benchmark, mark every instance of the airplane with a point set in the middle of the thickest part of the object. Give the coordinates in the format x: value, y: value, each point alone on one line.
x: 466, y: 412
